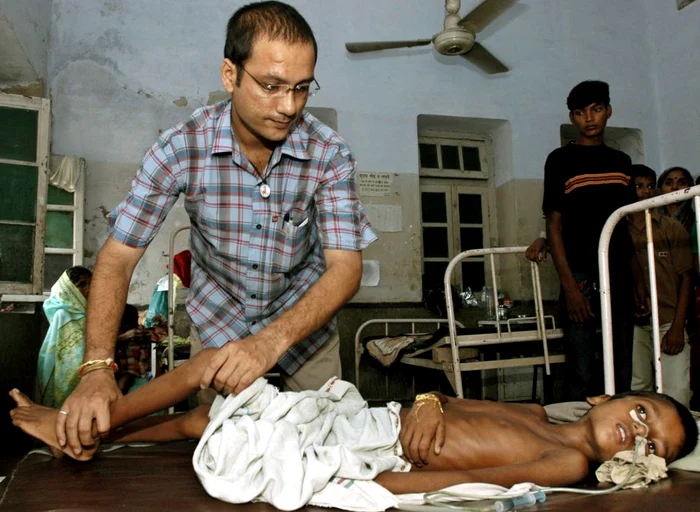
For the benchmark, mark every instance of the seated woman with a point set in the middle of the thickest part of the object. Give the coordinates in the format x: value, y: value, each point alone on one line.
x: 449, y: 440
x: 133, y: 350
x: 63, y: 349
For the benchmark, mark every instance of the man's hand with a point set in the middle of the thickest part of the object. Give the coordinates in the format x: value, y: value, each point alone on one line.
x: 673, y: 342
x: 423, y: 427
x: 537, y: 251
x: 578, y: 306
x: 238, y: 364
x: 90, y: 401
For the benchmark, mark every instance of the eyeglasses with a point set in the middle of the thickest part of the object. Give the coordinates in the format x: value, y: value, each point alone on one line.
x: 281, y: 90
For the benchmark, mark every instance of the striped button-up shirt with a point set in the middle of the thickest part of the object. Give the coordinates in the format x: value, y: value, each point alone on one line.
x: 252, y: 257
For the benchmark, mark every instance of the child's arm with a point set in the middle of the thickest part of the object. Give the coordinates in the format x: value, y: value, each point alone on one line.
x: 565, y: 467
x: 674, y: 341
x: 679, y: 243
x: 423, y: 428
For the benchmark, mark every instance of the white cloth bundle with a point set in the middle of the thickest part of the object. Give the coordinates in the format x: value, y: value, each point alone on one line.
x: 647, y: 469
x: 291, y: 449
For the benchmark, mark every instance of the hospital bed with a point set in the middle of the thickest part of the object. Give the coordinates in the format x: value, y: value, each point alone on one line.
x: 536, y: 329
x: 161, y: 476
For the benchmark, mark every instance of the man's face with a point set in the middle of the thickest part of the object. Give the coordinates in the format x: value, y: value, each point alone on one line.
x: 614, y: 430
x: 674, y: 180
x: 591, y: 120
x: 256, y: 115
x: 644, y: 186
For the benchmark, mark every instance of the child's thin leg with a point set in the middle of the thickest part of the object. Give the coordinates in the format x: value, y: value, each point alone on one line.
x: 162, y: 392
x: 157, y: 429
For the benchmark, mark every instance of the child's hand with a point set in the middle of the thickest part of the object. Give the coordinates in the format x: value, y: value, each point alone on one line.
x: 642, y: 301
x: 422, y: 429
x: 673, y: 342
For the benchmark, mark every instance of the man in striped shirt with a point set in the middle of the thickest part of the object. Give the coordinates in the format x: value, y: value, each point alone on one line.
x: 277, y: 228
x: 585, y: 181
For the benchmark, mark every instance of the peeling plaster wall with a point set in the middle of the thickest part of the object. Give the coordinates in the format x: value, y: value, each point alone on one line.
x: 30, y: 22
x: 122, y: 71
x: 675, y: 59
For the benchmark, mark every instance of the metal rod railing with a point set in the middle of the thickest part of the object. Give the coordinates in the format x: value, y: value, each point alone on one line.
x: 539, y: 310
x: 171, y: 297
x: 604, y: 273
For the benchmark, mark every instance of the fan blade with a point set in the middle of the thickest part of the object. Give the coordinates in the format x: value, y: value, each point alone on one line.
x: 484, y: 60
x: 485, y: 13
x: 384, y: 45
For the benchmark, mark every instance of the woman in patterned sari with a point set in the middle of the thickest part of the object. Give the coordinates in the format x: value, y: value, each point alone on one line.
x: 63, y: 349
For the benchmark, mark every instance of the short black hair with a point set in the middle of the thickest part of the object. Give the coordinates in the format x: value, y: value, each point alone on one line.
x: 78, y: 273
x: 690, y: 425
x: 642, y: 171
x: 587, y: 93
x: 275, y: 20
x: 686, y: 173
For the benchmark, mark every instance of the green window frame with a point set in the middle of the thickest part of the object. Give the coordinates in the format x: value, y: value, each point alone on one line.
x: 24, y: 159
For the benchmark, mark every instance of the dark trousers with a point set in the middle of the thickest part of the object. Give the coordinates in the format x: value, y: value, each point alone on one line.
x: 584, y: 342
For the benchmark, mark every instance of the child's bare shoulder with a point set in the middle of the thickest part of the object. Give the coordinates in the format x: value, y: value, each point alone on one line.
x: 573, y: 464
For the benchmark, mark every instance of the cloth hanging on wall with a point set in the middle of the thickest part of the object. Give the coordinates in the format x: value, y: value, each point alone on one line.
x: 65, y: 171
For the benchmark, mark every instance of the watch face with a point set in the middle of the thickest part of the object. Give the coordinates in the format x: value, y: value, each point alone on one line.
x: 265, y: 190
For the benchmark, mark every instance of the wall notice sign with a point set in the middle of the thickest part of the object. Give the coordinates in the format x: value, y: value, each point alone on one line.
x: 375, y: 184
x: 385, y: 217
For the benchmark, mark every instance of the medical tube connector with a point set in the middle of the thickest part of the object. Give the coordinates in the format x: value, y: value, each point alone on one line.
x: 519, y: 502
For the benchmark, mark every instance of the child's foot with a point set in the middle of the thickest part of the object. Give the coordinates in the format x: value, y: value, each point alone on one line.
x: 39, y: 422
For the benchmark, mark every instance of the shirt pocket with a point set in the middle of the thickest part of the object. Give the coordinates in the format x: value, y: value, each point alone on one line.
x: 292, y: 245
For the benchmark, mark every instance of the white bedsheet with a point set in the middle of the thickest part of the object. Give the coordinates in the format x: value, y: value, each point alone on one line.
x: 291, y: 449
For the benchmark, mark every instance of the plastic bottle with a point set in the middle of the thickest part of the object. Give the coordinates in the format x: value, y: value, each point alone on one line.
x: 487, y: 301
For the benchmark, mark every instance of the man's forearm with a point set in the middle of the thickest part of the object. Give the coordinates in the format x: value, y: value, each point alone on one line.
x: 108, y: 292
x: 338, y: 284
x: 556, y: 249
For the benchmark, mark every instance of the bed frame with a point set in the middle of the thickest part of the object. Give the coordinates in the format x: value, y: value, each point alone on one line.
x: 161, y: 477
x: 605, y: 304
x: 543, y: 329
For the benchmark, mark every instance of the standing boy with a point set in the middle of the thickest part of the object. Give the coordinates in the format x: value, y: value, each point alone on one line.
x: 585, y: 182
x: 673, y: 281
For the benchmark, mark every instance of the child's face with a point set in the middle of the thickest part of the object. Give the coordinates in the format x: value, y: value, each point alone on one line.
x: 614, y: 430
x: 644, y: 186
x: 83, y: 286
x: 591, y: 120
x: 674, y: 180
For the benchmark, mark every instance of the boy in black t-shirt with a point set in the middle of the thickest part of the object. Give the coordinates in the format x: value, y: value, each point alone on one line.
x: 585, y: 182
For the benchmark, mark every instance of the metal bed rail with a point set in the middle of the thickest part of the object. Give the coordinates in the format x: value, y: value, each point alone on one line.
x: 542, y: 333
x: 604, y: 271
x: 359, y: 348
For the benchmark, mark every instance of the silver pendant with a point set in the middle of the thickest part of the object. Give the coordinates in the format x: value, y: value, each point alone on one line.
x: 265, y: 190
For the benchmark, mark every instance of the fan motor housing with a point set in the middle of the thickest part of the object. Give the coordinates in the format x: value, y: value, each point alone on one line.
x: 453, y: 41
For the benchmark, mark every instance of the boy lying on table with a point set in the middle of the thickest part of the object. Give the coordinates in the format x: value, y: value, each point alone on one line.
x: 447, y: 440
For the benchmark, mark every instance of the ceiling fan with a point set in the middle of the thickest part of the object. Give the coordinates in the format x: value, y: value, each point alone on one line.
x: 457, y: 38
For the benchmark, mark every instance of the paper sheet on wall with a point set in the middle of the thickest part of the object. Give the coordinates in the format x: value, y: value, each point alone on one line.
x: 385, y: 217
x: 375, y: 184
x: 370, y: 273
